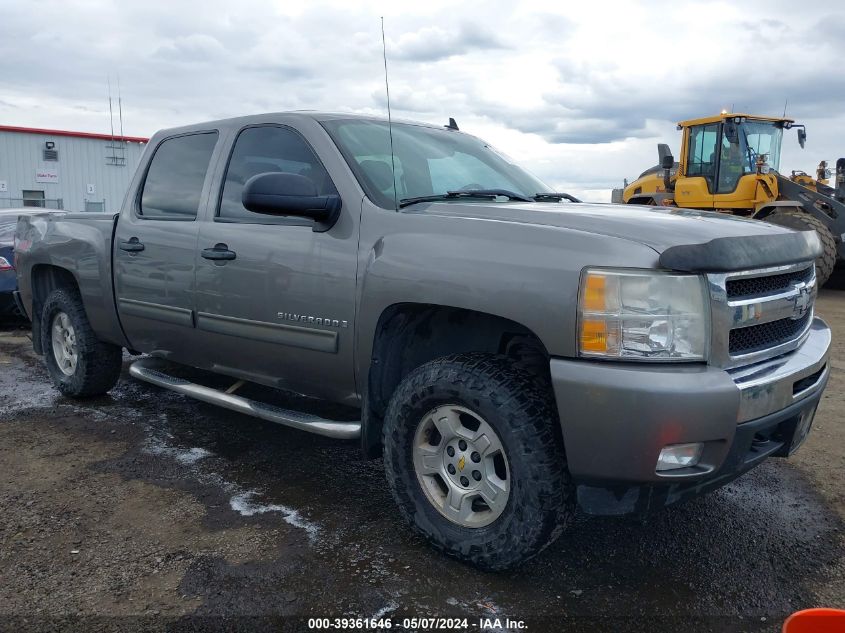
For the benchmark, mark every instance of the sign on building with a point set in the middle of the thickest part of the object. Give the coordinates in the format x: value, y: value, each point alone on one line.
x: 46, y: 175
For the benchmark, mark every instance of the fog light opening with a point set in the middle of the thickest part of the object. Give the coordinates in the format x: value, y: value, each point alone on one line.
x: 677, y: 456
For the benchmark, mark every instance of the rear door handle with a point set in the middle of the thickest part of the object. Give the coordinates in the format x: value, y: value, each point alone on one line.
x: 132, y: 246
x: 220, y: 252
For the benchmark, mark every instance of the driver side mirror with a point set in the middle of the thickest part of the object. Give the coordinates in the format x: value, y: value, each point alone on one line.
x: 802, y: 136
x: 278, y: 193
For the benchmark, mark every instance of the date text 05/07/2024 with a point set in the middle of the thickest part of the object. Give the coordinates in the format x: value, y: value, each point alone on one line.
x: 417, y: 624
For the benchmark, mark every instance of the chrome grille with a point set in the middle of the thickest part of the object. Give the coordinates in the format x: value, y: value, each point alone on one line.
x: 758, y: 337
x: 760, y: 314
x: 757, y: 286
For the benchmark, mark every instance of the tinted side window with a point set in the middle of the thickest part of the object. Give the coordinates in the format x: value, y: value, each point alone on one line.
x: 259, y: 150
x: 174, y: 180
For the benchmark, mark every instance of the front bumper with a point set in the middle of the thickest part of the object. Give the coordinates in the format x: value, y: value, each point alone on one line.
x: 616, y: 417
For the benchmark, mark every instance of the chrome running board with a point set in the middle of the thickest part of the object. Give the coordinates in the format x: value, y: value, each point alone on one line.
x: 146, y: 369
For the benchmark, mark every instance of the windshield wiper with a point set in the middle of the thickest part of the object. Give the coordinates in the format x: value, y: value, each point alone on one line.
x: 555, y: 197
x: 468, y: 193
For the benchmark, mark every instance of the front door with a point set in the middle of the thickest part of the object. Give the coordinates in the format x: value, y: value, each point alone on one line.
x: 696, y: 189
x: 275, y: 299
x: 155, y: 246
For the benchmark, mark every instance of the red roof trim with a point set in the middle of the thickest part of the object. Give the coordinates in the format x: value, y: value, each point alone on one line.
x: 104, y: 137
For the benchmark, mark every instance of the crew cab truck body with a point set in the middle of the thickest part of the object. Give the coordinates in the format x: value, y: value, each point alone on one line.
x: 511, y: 354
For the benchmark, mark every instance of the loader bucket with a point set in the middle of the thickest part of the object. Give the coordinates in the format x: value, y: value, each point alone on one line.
x: 816, y: 621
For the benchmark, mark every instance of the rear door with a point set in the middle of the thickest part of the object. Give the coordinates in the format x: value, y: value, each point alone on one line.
x: 280, y: 309
x: 155, y: 247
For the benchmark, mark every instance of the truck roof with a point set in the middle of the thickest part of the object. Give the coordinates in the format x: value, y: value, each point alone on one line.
x: 290, y: 116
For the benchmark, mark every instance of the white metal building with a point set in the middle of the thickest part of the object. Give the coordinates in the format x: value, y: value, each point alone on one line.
x: 57, y: 169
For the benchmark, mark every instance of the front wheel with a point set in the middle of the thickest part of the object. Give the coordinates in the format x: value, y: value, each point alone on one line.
x: 79, y: 363
x: 474, y: 459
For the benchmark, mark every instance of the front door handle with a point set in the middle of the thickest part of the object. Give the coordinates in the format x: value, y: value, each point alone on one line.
x: 132, y: 246
x: 220, y: 252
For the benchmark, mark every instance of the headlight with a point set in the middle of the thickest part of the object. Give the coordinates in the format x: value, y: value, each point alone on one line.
x: 642, y: 315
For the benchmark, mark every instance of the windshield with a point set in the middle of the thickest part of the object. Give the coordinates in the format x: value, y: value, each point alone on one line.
x: 761, y: 137
x: 428, y: 161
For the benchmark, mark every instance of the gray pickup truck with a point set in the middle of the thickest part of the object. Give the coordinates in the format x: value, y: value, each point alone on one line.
x: 513, y: 353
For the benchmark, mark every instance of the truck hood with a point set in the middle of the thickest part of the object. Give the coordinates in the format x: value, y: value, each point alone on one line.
x: 657, y: 227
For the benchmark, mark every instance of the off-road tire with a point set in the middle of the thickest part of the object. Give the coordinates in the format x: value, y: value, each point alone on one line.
x: 795, y: 218
x: 98, y: 363
x: 521, y: 410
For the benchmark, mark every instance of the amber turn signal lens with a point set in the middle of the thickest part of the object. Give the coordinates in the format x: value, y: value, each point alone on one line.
x: 594, y: 335
x: 595, y: 289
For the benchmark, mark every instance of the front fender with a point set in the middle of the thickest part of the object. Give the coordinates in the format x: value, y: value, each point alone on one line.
x: 526, y: 273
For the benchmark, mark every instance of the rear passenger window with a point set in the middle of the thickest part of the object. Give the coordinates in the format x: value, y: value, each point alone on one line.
x: 259, y: 150
x: 174, y: 180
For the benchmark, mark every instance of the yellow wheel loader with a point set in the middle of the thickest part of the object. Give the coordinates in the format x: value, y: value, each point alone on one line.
x: 729, y: 163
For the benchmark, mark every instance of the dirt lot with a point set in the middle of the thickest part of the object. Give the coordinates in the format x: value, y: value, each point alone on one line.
x: 144, y: 510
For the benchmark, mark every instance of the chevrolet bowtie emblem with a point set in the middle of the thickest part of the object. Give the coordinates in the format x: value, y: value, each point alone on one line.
x: 803, y: 300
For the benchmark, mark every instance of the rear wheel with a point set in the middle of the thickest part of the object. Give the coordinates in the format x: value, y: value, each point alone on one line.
x: 475, y: 461
x: 79, y: 363
x: 798, y: 219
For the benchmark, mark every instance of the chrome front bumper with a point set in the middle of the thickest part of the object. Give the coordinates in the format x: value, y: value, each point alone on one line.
x: 775, y: 384
x: 616, y: 417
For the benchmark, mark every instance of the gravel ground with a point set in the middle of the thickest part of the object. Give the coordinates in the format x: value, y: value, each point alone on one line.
x: 144, y: 510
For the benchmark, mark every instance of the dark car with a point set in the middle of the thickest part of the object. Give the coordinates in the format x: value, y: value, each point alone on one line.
x: 8, y: 279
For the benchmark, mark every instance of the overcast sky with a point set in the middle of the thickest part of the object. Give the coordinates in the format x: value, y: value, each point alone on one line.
x: 580, y: 93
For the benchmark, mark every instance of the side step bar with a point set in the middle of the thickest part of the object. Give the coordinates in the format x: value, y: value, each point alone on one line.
x: 146, y: 369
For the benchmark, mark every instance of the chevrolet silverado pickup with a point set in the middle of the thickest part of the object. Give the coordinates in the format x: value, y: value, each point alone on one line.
x: 512, y: 353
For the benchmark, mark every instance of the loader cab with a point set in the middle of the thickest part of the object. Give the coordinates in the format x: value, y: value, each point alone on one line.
x: 723, y: 158
x: 727, y: 162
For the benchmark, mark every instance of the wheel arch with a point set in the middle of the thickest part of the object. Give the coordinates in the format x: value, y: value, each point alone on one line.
x: 641, y: 198
x: 45, y: 278
x: 410, y: 334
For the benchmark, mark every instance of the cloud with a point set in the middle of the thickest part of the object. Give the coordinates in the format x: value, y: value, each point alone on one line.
x: 196, y: 47
x: 756, y: 68
x: 436, y: 43
x: 580, y: 96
